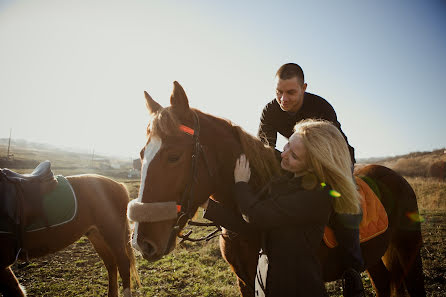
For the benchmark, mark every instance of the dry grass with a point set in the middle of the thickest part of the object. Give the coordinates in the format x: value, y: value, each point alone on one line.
x: 431, y: 193
x: 414, y: 164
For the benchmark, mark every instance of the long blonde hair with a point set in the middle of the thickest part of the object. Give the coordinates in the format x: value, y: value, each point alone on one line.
x: 329, y: 159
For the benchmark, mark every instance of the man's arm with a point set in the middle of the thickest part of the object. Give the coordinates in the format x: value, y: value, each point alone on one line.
x: 267, y: 132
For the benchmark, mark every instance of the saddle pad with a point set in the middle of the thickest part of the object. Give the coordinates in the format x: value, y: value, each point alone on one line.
x: 374, y: 217
x: 60, y: 206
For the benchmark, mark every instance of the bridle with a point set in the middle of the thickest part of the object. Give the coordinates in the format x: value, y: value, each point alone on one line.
x: 185, y: 207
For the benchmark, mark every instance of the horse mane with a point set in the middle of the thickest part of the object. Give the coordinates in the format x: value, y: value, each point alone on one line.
x: 262, y: 158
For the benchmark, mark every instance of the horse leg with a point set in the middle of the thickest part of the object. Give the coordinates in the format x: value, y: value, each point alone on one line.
x: 107, y: 257
x: 243, y: 262
x: 120, y: 247
x: 380, y: 277
x: 410, y: 261
x: 10, y: 286
x: 414, y: 279
x: 393, y: 265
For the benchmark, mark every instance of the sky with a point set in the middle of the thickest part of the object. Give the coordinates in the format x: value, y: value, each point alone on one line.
x: 73, y: 73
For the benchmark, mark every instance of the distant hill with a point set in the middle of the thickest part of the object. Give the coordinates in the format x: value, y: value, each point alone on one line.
x: 412, y: 164
x: 25, y: 156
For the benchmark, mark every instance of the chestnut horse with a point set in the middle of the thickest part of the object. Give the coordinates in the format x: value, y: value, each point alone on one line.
x: 101, y: 216
x: 190, y: 156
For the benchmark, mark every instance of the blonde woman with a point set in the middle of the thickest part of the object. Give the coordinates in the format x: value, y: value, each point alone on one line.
x: 291, y: 216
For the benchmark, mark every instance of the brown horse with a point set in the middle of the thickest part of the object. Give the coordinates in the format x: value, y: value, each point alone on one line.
x: 101, y: 216
x: 190, y: 156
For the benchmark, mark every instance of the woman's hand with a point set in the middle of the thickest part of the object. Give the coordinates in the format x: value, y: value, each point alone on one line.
x: 242, y: 172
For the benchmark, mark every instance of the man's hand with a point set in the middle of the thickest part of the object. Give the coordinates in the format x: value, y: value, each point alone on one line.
x: 242, y: 172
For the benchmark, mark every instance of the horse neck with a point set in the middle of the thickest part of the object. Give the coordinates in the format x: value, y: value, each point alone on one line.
x: 227, y: 147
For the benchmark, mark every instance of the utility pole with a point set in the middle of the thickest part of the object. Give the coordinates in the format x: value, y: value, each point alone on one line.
x: 92, y: 159
x: 9, y: 144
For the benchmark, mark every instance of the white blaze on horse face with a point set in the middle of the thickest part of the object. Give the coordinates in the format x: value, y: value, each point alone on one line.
x: 149, y: 153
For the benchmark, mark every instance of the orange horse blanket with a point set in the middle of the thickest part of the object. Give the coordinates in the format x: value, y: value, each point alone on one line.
x: 374, y: 217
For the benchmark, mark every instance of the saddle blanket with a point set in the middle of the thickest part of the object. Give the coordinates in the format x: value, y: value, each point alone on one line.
x: 374, y: 217
x: 60, y: 206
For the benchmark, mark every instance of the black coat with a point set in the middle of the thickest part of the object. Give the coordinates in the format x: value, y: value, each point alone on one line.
x: 291, y: 219
x: 274, y: 120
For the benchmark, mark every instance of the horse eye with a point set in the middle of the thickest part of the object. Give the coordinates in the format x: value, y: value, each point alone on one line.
x: 173, y: 158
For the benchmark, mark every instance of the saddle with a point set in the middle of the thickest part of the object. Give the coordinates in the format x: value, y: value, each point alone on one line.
x: 374, y: 217
x: 21, y: 196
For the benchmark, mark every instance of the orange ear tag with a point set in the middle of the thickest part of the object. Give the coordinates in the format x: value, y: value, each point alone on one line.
x: 178, y: 208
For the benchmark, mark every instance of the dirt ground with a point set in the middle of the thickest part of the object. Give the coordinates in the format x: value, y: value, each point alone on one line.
x: 434, y: 253
x: 78, y: 271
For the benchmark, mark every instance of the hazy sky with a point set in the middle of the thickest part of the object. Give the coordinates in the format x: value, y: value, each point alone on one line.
x: 73, y: 73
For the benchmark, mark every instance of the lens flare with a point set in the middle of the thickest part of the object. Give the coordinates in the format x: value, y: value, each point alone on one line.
x: 415, y: 217
x: 323, y: 185
x: 335, y: 194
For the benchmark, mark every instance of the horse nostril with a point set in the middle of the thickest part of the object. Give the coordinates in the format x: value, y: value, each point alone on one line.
x: 149, y: 249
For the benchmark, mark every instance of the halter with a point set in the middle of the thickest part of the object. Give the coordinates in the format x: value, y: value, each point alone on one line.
x: 185, y: 210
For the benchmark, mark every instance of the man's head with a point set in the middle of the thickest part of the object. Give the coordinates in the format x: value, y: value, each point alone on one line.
x: 290, y: 87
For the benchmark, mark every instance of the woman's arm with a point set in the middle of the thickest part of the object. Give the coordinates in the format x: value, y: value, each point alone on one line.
x: 228, y: 219
x: 301, y: 207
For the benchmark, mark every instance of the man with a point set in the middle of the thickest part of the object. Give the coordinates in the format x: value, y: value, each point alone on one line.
x: 291, y: 105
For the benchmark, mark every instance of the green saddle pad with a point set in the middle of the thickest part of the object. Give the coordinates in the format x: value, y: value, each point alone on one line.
x: 60, y: 207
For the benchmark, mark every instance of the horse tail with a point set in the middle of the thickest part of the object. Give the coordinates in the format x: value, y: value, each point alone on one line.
x: 134, y: 275
x: 133, y: 271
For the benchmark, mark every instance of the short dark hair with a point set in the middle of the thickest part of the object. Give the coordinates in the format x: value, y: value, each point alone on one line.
x: 290, y: 70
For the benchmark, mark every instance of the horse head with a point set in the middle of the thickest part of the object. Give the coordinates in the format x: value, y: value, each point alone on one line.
x: 176, y: 175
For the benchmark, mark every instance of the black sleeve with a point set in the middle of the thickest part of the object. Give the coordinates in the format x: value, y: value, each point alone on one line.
x: 301, y: 207
x: 228, y: 219
x: 267, y: 132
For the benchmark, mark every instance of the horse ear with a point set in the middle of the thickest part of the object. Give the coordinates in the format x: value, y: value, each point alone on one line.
x: 178, y: 99
x: 151, y: 104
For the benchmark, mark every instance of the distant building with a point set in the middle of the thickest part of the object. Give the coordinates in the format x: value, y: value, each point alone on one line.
x: 137, y: 164
x: 133, y: 173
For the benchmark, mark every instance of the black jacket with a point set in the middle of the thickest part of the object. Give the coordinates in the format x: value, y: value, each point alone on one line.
x: 291, y: 219
x: 274, y: 120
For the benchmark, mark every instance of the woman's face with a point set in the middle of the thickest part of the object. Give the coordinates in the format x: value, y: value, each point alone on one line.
x: 294, y: 155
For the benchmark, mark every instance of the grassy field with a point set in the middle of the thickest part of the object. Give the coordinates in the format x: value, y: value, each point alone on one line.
x: 197, y: 269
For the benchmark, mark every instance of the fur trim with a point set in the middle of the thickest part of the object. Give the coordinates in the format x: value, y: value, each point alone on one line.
x: 151, y: 212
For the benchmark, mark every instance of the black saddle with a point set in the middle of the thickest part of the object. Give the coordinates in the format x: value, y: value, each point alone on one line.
x: 42, y: 173
x: 21, y: 196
